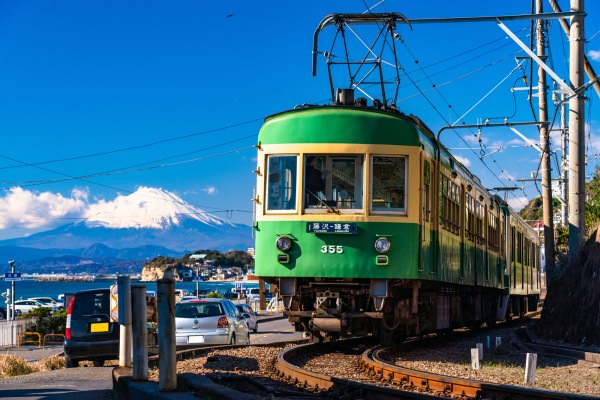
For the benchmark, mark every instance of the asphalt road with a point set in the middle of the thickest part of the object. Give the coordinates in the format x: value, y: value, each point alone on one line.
x: 95, y: 383
x: 60, y: 384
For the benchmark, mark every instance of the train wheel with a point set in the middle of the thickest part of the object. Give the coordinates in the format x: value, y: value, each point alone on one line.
x: 315, y: 337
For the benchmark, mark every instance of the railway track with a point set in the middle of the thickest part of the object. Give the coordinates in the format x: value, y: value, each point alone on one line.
x: 375, y: 378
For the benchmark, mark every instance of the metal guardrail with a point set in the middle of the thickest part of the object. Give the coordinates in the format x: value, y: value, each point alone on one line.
x: 53, y: 335
x: 26, y: 337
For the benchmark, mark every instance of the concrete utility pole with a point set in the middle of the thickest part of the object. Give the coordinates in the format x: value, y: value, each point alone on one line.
x: 545, y: 145
x: 12, y: 293
x: 576, y: 133
x: 589, y: 70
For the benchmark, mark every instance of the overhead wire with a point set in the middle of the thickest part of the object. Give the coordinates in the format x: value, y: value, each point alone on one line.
x: 502, y: 172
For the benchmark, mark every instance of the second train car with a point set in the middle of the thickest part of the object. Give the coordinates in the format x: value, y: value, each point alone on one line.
x: 367, y: 225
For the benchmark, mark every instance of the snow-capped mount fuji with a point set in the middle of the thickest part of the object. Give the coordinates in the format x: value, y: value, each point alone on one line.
x: 147, y: 208
x: 151, y: 219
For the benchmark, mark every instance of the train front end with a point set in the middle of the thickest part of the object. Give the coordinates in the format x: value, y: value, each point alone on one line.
x: 338, y: 207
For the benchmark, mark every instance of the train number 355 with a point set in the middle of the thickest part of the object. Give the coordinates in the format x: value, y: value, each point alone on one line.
x: 332, y: 249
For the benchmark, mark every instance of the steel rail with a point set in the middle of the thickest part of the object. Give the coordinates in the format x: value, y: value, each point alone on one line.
x: 306, y: 378
x: 448, y: 386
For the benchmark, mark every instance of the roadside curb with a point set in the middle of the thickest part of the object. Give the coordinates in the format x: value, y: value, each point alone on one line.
x: 125, y: 388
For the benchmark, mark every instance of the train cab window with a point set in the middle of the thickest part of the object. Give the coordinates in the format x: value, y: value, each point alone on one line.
x: 281, y: 182
x: 388, y: 184
x: 333, y: 182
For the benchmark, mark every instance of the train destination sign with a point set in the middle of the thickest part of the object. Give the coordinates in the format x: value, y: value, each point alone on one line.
x: 331, y: 227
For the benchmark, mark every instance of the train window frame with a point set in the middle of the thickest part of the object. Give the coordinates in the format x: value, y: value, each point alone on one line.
x: 386, y: 194
x: 450, y: 204
x: 340, y: 179
x: 273, y: 185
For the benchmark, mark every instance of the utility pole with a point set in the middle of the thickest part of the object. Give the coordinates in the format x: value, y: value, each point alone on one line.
x: 545, y: 145
x: 12, y: 292
x: 576, y: 132
x: 564, y: 184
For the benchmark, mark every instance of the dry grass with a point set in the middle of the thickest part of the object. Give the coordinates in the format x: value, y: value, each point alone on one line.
x: 11, y: 365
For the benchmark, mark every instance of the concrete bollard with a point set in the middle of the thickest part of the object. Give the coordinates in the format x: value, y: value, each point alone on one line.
x: 480, y: 350
x: 140, y: 333
x: 124, y: 301
x: 167, y: 358
x: 475, y: 358
x: 530, y: 365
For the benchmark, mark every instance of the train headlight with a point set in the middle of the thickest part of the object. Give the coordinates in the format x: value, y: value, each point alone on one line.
x: 382, y: 245
x: 283, y: 243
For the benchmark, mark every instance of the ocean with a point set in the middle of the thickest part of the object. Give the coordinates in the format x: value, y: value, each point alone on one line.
x: 29, y: 288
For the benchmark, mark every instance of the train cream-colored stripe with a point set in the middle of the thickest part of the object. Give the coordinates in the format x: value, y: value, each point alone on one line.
x: 413, y: 193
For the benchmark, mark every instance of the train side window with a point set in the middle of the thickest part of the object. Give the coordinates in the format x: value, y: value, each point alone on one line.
x: 388, y: 184
x: 281, y: 182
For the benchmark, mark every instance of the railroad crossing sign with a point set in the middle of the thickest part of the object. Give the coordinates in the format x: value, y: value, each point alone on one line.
x: 12, y: 276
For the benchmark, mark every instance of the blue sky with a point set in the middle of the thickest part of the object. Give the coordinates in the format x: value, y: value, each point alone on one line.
x: 99, y: 98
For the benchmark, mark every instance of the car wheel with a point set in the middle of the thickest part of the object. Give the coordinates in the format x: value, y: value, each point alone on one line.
x: 232, y: 341
x: 98, y: 363
x: 70, y: 363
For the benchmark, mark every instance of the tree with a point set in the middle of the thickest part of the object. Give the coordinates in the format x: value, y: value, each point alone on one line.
x: 592, y: 203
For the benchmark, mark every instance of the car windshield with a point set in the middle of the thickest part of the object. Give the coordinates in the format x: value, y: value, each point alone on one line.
x: 197, y: 310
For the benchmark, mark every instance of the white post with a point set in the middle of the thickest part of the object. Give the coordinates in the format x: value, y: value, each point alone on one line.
x: 530, y: 365
x: 140, y: 333
x: 480, y: 350
x: 475, y: 358
x: 124, y: 304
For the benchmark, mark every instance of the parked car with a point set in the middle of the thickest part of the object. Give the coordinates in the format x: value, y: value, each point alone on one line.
x: 209, y: 321
x: 48, y: 302
x: 24, y: 306
x: 230, y: 295
x: 186, y: 298
x: 249, y: 315
x: 89, y: 333
x: 253, y: 293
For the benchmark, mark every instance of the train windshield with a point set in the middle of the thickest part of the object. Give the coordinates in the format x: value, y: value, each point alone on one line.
x: 281, y: 182
x: 388, y: 184
x: 333, y: 182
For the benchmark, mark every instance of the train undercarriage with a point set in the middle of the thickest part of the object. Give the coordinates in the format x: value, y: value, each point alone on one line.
x: 392, y: 310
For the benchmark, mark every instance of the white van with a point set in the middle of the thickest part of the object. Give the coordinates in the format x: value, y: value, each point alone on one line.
x: 253, y: 293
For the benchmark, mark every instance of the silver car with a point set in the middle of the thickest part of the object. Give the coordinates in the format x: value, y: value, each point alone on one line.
x: 249, y: 315
x: 209, y: 321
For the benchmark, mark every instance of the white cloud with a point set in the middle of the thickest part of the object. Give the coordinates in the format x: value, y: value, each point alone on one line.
x: 32, y: 210
x: 463, y: 160
x: 517, y: 203
x: 594, y: 55
x: 211, y: 190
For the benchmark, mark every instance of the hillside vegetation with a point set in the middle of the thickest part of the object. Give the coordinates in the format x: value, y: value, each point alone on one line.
x: 572, y: 306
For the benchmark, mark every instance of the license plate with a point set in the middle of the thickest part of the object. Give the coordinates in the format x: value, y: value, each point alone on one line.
x: 99, y: 327
x: 196, y: 339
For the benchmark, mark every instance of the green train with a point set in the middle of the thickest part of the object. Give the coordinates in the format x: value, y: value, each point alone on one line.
x: 366, y: 224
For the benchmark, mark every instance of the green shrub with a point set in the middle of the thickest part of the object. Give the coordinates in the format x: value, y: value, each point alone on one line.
x: 47, y: 321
